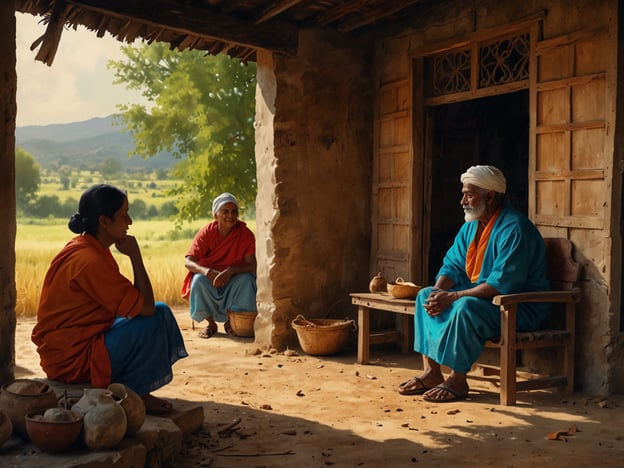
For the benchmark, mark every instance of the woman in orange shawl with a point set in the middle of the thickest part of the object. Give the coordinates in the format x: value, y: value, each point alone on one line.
x: 221, y: 265
x: 93, y: 324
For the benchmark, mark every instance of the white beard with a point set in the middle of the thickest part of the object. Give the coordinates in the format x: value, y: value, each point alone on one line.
x: 472, y: 214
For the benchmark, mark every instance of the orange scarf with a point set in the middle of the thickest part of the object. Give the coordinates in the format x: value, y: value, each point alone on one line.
x: 476, y: 250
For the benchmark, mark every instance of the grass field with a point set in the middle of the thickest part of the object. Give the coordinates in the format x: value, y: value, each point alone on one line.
x: 145, y: 187
x: 163, y: 247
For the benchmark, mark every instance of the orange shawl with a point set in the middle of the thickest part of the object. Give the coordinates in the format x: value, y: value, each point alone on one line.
x: 82, y: 293
x: 476, y: 250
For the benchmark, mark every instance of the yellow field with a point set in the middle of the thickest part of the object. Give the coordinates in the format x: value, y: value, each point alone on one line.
x: 163, y: 249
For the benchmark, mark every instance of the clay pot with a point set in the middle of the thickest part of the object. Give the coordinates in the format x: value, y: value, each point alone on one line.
x: 53, y: 436
x: 22, y: 396
x: 6, y: 427
x: 104, y: 420
x: 377, y: 284
x: 132, y: 404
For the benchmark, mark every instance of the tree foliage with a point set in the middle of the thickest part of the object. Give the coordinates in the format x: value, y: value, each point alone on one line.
x: 27, y: 177
x: 202, y: 112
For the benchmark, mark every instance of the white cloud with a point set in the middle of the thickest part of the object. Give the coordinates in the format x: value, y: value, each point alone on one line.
x: 77, y: 86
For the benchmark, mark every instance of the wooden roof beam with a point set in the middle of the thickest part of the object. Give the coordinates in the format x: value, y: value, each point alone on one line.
x: 188, y: 20
x: 336, y: 13
x: 275, y: 9
x: 376, y: 14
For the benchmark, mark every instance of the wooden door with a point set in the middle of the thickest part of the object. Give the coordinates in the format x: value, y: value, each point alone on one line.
x: 570, y: 173
x: 393, y: 183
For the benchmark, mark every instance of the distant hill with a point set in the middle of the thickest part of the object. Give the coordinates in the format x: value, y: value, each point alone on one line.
x: 85, y: 145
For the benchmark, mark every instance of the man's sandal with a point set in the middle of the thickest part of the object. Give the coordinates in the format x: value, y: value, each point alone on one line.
x: 208, y: 331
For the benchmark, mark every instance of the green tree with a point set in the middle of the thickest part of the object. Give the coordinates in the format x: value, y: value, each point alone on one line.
x: 110, y: 167
x: 27, y: 178
x: 202, y: 112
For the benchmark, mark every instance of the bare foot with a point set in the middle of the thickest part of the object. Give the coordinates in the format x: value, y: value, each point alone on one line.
x: 156, y: 406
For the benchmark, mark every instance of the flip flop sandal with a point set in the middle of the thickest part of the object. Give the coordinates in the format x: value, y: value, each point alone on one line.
x: 208, y: 331
x: 456, y: 396
x: 406, y: 388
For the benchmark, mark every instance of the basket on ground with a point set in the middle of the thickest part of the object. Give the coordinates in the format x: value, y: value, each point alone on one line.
x: 400, y: 289
x: 242, y: 323
x: 320, y: 337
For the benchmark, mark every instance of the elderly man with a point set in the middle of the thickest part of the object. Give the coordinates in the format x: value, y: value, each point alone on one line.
x: 497, y: 251
x: 221, y: 264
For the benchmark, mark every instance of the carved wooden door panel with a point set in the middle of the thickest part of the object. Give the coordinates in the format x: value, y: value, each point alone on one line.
x: 392, y: 185
x: 569, y: 180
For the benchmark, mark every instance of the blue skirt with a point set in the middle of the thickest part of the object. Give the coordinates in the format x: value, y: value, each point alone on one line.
x: 143, y: 349
x: 207, y: 301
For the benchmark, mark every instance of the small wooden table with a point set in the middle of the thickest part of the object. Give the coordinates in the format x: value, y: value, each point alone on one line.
x: 382, y: 301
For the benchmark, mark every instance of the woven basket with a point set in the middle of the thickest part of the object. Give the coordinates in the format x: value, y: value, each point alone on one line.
x: 320, y: 337
x: 242, y: 322
x: 403, y: 289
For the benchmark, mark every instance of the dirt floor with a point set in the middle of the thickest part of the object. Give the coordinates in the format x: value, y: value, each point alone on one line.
x: 267, y: 409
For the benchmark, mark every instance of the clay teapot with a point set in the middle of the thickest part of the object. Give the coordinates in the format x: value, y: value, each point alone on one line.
x: 377, y: 284
x: 104, y: 420
x: 22, y: 396
x: 132, y: 404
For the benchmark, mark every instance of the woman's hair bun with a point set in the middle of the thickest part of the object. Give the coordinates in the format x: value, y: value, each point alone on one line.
x: 77, y: 224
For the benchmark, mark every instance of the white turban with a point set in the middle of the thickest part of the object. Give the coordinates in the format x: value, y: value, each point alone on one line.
x: 221, y: 200
x: 485, y: 177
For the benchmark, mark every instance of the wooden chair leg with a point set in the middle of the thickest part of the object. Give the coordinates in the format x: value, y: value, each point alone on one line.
x: 508, y: 356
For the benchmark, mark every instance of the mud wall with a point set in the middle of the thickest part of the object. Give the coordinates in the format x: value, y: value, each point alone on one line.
x: 313, y: 155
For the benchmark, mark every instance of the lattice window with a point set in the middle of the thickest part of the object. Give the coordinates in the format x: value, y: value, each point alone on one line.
x: 451, y: 73
x: 504, y: 61
x: 501, y: 61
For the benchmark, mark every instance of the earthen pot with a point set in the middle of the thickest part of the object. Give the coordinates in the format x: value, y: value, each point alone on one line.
x: 22, y: 396
x: 132, y: 404
x: 377, y: 284
x: 104, y: 420
x: 53, y: 435
x: 6, y: 427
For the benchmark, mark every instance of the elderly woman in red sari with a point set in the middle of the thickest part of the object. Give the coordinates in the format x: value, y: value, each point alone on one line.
x: 221, y: 265
x: 94, y: 326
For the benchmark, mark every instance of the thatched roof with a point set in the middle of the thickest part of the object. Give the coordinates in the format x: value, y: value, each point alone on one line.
x: 233, y: 27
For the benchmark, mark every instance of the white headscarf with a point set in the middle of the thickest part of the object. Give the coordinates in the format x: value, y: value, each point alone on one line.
x: 486, y: 177
x: 221, y: 200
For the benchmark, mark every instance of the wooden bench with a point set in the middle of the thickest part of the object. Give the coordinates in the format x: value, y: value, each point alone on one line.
x: 563, y: 272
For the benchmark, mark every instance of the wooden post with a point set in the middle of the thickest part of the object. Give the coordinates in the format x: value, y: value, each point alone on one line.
x: 8, y: 110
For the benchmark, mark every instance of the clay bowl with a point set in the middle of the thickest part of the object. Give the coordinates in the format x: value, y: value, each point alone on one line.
x: 53, y: 436
x: 242, y: 322
x: 403, y: 289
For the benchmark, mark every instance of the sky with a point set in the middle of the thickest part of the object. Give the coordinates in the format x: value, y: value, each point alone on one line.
x: 77, y: 86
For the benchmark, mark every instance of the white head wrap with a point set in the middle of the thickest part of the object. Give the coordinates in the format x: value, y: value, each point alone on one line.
x: 221, y: 200
x: 486, y: 177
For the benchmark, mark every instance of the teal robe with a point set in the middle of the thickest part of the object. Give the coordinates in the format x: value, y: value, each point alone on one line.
x: 514, y: 261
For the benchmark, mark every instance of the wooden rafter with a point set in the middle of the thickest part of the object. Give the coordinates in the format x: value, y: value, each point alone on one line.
x: 193, y: 21
x: 376, y: 14
x: 275, y: 9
